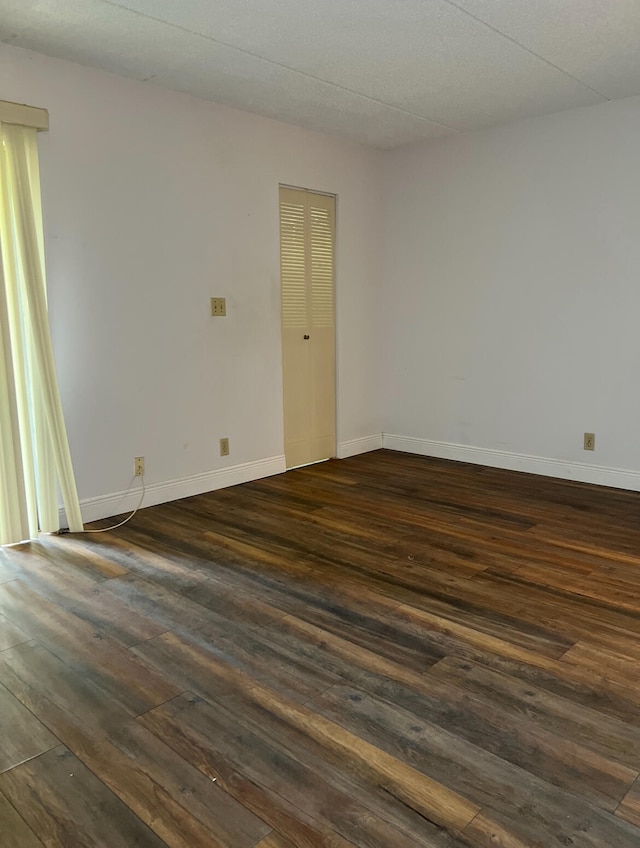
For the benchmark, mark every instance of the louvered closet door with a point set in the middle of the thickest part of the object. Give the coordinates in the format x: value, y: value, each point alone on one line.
x: 307, y: 249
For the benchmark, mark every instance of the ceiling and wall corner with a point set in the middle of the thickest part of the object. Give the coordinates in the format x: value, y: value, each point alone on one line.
x: 380, y: 72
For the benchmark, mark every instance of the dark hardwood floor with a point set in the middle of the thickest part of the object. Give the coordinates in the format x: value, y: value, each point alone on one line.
x: 386, y: 651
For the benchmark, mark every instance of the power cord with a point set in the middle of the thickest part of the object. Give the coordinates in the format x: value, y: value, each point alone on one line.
x: 128, y: 518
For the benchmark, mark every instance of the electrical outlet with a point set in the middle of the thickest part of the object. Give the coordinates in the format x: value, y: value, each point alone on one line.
x: 218, y: 306
x: 138, y: 466
x: 224, y: 447
x: 589, y: 441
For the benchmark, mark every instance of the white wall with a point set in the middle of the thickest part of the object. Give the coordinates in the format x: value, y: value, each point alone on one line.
x: 154, y: 201
x: 512, y: 293
x: 511, y: 284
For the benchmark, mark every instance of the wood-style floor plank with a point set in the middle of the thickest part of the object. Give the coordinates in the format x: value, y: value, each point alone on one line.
x: 211, y: 736
x: 521, y: 805
x: 274, y: 840
x: 122, y: 675
x: 383, y: 652
x: 174, y: 799
x: 487, y: 724
x: 434, y: 801
x: 613, y: 739
x: 629, y: 808
x: 16, y: 833
x: 578, y: 684
x: 22, y: 736
x: 65, y: 804
x: 10, y: 634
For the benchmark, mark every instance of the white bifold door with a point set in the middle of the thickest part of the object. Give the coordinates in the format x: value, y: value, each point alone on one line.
x: 307, y: 273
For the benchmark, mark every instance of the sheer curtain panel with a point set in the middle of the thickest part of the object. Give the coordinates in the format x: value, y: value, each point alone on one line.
x: 34, y: 452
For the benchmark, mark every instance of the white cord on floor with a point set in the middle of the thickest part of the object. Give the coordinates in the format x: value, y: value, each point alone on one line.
x: 128, y: 518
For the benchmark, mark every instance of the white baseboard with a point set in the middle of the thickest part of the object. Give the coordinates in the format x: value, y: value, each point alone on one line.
x: 601, y: 475
x: 362, y: 445
x: 118, y: 503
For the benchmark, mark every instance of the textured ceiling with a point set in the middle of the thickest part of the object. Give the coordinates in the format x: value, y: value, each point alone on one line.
x: 382, y: 72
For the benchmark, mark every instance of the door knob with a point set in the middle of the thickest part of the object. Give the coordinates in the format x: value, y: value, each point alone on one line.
x: 305, y: 336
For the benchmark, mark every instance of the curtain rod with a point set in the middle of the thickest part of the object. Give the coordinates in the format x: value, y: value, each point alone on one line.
x: 26, y: 116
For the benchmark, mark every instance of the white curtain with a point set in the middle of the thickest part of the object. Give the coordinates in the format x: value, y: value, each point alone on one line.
x: 34, y: 451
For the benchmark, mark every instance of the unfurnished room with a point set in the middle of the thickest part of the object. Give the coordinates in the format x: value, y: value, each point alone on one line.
x: 319, y: 414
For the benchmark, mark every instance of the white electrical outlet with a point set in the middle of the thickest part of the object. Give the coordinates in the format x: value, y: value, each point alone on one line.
x: 138, y: 466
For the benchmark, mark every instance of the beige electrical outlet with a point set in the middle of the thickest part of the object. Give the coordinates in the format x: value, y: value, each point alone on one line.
x: 589, y: 441
x: 218, y: 306
x: 224, y: 447
x: 138, y: 466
